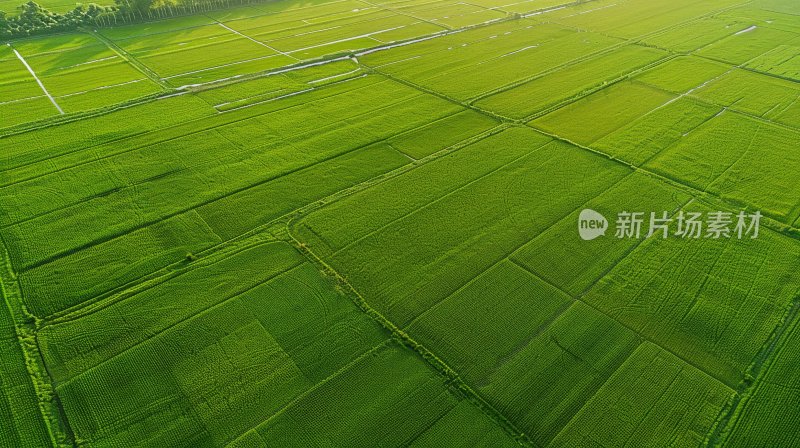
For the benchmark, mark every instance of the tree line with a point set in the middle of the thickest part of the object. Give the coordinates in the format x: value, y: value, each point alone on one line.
x: 32, y: 18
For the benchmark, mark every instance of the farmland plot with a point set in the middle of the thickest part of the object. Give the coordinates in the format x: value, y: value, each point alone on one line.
x: 547, y: 380
x: 747, y: 44
x: 697, y: 34
x: 606, y: 110
x: 193, y: 53
x: 23, y: 424
x: 685, y: 74
x: 757, y: 421
x: 646, y: 136
x: 714, y: 308
x: 773, y: 100
x: 561, y: 258
x: 281, y: 85
x: 352, y: 223
x: 82, y: 73
x: 782, y: 61
x: 561, y: 85
x: 21, y: 98
x: 444, y: 257
x: 653, y: 399
x: 632, y: 19
x: 732, y: 153
x: 171, y: 179
x: 267, y: 41
x: 491, y: 62
x: 243, y: 358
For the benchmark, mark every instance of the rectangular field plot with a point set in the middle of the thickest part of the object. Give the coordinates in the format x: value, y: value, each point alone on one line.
x: 16, y: 83
x: 426, y: 140
x: 356, y: 408
x: 753, y: 93
x: 233, y: 365
x: 648, y: 135
x: 559, y: 256
x: 783, y: 61
x: 151, y: 199
x: 21, y: 98
x: 23, y: 424
x: 453, y: 14
x: 82, y: 73
x: 631, y: 19
x: 520, y: 344
x: 200, y: 57
x: 280, y: 85
x: 27, y: 110
x: 288, y: 15
x: 522, y: 6
x: 602, y: 112
x: 748, y: 44
x: 697, y: 34
x: 778, y: 14
x: 556, y: 87
x: 477, y: 328
x: 350, y: 33
x: 758, y: 420
x: 32, y: 154
x: 766, y: 175
x: 156, y: 27
x: 684, y: 74
x: 653, y: 399
x: 553, y: 372
x: 467, y: 65
x: 713, y: 302
x: 442, y: 229
x: 250, y: 356
x: 739, y: 158
x: 198, y: 53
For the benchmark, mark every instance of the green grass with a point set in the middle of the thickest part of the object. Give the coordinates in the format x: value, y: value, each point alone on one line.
x: 601, y: 113
x: 653, y: 399
x: 755, y: 421
x: 258, y: 343
x: 548, y: 379
x: 741, y: 159
x: 684, y: 74
x: 745, y: 45
x: 23, y: 424
x: 646, y: 136
x: 732, y: 294
x: 269, y: 233
x: 553, y: 88
x: 560, y: 257
x: 736, y: 89
x: 445, y: 254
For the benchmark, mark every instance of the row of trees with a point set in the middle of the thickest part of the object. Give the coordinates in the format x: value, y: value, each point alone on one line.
x: 33, y: 18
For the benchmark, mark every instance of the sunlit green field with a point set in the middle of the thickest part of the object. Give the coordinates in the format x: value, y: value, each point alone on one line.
x: 352, y: 223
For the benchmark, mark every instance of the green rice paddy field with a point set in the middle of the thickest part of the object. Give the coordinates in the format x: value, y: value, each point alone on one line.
x: 352, y: 223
